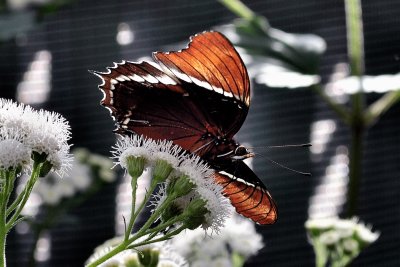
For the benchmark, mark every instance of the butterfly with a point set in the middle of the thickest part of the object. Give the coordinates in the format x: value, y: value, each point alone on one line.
x: 197, y: 97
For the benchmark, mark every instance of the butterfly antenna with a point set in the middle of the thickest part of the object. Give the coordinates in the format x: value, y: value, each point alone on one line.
x: 282, y: 146
x: 283, y: 166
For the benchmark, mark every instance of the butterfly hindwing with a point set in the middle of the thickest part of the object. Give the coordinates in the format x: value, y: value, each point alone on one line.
x: 247, y: 193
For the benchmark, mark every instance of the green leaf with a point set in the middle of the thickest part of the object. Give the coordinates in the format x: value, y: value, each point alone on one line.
x: 370, y: 84
x: 15, y: 23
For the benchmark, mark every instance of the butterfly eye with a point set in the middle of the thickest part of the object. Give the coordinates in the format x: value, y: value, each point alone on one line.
x: 241, y: 151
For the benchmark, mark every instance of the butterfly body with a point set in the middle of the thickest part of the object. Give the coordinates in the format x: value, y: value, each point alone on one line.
x: 199, y: 98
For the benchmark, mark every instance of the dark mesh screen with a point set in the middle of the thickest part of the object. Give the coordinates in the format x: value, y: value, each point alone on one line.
x: 82, y: 36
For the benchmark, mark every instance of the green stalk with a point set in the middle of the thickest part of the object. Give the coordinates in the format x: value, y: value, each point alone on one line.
x: 133, y: 218
x: 355, y: 38
x: 134, y: 213
x: 163, y: 238
x: 30, y: 183
x: 156, y: 214
x: 239, y: 9
x: 125, y: 245
x: 3, y: 211
x: 380, y: 106
x: 355, y: 46
x: 321, y: 256
x: 121, y: 247
x: 127, y: 241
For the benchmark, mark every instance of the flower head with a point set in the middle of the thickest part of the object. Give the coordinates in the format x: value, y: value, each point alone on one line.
x: 166, y: 151
x: 43, y: 132
x: 196, y: 170
x: 238, y: 237
x: 132, y: 146
x: 137, y: 152
x: 217, y: 205
x: 241, y: 235
x: 196, y: 195
x: 334, y: 234
x: 329, y: 238
x: 365, y: 234
x: 164, y: 254
x: 13, y: 154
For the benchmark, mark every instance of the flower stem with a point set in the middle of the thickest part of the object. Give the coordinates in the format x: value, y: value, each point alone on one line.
x: 321, y: 256
x: 145, y: 200
x: 163, y: 238
x: 238, y: 8
x: 126, y: 243
x: 355, y: 38
x: 3, y: 211
x: 380, y: 106
x: 143, y: 230
x: 133, y: 218
x: 121, y: 247
x: 156, y: 214
x: 26, y: 193
x: 355, y: 46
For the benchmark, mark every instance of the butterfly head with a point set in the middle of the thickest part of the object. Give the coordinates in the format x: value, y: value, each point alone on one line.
x: 242, y: 153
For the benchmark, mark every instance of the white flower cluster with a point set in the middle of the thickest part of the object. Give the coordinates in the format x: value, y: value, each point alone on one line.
x: 181, y: 163
x: 238, y: 237
x: 24, y: 130
x: 167, y: 256
x: 339, y: 239
x: 200, y: 175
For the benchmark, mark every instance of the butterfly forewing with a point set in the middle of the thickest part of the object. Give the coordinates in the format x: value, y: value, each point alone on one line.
x: 198, y: 98
x: 211, y: 63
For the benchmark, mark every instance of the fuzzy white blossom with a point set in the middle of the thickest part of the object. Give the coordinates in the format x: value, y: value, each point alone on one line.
x: 179, y: 164
x: 329, y: 238
x: 167, y: 151
x: 40, y: 131
x: 13, y: 154
x: 132, y: 146
x: 167, y: 256
x: 350, y: 245
x: 365, y: 234
x: 239, y: 236
x: 321, y: 223
x: 242, y: 236
x: 217, y: 205
x: 331, y: 235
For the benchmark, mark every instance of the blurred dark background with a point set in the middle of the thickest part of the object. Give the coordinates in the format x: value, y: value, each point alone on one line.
x: 90, y: 35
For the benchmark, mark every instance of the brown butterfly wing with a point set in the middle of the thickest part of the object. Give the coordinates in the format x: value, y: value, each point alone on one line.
x: 144, y: 100
x: 161, y: 102
x: 247, y: 193
x: 211, y: 62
